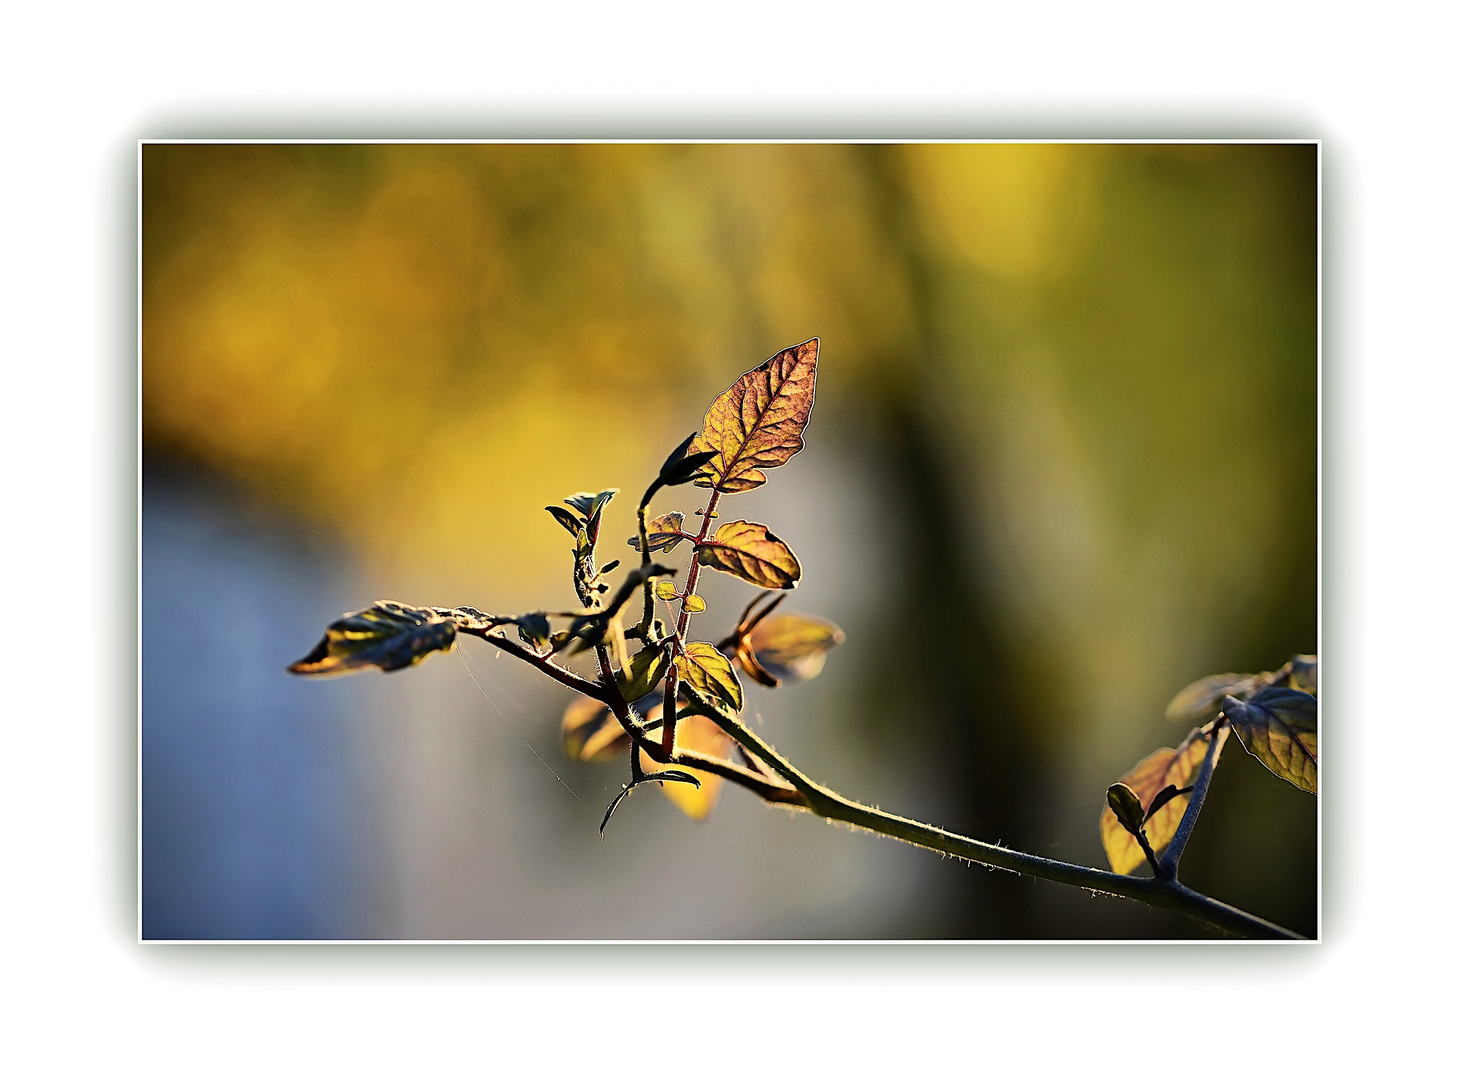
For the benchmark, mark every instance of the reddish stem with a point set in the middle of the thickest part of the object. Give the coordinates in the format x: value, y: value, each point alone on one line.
x: 671, y: 681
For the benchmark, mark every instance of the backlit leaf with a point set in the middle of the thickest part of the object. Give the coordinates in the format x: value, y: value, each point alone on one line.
x: 757, y: 423
x: 590, y: 504
x: 1278, y: 727
x: 665, y: 591
x: 663, y: 532
x: 591, y: 731
x: 751, y: 552
x: 1126, y: 806
x: 704, y: 736
x: 386, y: 635
x: 706, y: 669
x: 645, y: 670
x: 1147, y: 779
x: 694, y: 603
x: 1199, y: 702
x: 534, y: 629
x: 791, y: 647
x: 566, y: 520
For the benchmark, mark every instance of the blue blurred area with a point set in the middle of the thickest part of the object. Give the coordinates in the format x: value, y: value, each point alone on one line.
x: 252, y: 796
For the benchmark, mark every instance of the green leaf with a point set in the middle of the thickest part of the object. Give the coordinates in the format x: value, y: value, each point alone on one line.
x: 534, y: 629
x: 757, y: 423
x: 590, y: 731
x: 751, y: 552
x: 590, y: 504
x: 1278, y: 727
x: 706, y: 669
x: 788, y: 647
x: 1156, y: 772
x: 1126, y: 806
x: 645, y: 670
x: 663, y: 533
x: 387, y: 635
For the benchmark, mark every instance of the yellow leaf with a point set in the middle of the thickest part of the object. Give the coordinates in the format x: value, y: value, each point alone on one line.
x: 590, y: 730
x: 701, y: 734
x: 707, y: 670
x: 694, y: 603
x: 663, y: 532
x: 756, y: 424
x: 751, y: 552
x: 1146, y: 780
x: 793, y: 647
x: 645, y: 670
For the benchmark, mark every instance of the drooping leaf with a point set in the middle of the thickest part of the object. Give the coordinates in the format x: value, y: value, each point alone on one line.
x: 757, y: 423
x: 590, y: 731
x: 1148, y: 779
x: 707, y: 670
x: 751, y: 552
x: 789, y: 647
x: 387, y: 635
x: 663, y: 532
x: 1278, y: 727
x: 644, y: 671
x: 1126, y: 806
x: 1199, y: 702
x: 696, y: 733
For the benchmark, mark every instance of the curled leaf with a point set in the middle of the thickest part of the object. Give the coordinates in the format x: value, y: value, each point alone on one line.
x: 566, y: 520
x: 706, y: 669
x: 704, y: 736
x: 590, y: 731
x: 788, y: 647
x: 1149, y: 779
x: 590, y: 504
x: 663, y: 532
x: 751, y: 552
x: 757, y: 423
x: 387, y: 635
x: 1126, y: 806
x: 1278, y: 727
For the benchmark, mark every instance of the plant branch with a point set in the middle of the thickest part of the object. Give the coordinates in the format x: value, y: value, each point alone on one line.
x: 544, y: 664
x: 671, y: 685
x: 1170, y: 863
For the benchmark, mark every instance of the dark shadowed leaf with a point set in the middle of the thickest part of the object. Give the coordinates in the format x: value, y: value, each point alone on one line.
x: 757, y: 423
x: 682, y: 465
x: 707, y: 670
x: 566, y: 520
x: 1278, y: 727
x: 591, y: 731
x: 534, y: 629
x: 1126, y: 806
x: 663, y: 533
x: 789, y: 647
x: 386, y: 635
x: 1162, y: 769
x: 751, y: 552
x: 1170, y: 791
x: 590, y: 504
x: 1302, y: 673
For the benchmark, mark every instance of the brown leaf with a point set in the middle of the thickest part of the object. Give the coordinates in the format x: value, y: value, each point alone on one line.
x: 792, y: 647
x: 751, y: 552
x: 1148, y: 779
x: 756, y: 424
x: 663, y: 532
x: 1278, y: 727
x: 707, y: 670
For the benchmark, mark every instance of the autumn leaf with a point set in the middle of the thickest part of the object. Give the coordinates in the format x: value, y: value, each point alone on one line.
x: 787, y: 648
x: 1278, y: 727
x: 751, y: 552
x: 1152, y: 775
x: 591, y: 731
x: 1199, y: 702
x: 664, y: 533
x: 756, y: 424
x: 707, y: 670
x: 704, y: 736
x: 387, y: 635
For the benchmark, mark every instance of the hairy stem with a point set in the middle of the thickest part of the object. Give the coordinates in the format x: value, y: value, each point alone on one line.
x: 1170, y: 863
x: 671, y: 684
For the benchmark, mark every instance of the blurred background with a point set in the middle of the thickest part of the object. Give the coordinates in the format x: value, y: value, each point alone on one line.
x: 1062, y: 462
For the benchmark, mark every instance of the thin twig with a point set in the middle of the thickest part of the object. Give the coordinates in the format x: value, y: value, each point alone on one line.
x: 1170, y: 862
